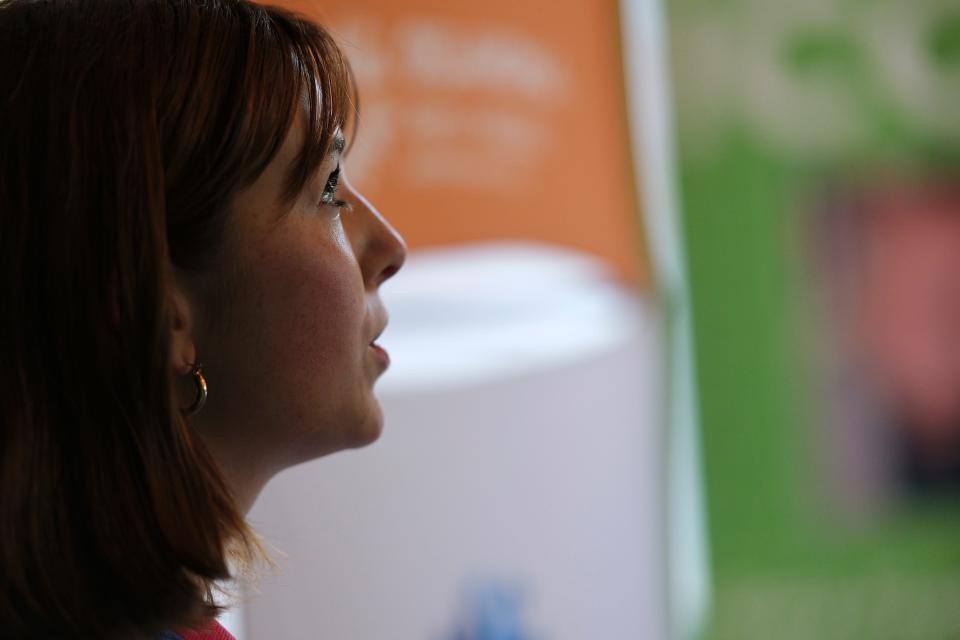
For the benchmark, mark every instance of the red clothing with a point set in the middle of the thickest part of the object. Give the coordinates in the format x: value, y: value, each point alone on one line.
x: 213, y: 632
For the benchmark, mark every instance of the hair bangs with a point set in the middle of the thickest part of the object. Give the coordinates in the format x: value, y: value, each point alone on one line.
x: 326, y: 89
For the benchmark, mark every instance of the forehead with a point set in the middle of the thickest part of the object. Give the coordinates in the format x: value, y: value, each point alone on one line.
x: 297, y: 142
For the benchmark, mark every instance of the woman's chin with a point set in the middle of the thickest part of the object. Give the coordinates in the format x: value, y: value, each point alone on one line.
x: 367, y: 431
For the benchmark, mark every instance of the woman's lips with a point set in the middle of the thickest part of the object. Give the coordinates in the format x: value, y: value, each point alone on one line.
x: 381, y: 354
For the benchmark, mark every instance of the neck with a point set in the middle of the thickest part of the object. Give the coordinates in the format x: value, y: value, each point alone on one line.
x: 245, y: 472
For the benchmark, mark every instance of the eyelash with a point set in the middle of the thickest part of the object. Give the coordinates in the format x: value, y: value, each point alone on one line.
x: 329, y: 197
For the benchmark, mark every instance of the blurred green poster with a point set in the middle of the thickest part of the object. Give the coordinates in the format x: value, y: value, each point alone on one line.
x: 819, y: 152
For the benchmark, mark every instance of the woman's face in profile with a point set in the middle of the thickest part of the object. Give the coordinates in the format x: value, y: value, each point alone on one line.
x: 289, y: 359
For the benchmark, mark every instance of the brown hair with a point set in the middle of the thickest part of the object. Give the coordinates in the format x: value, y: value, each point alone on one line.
x: 126, y: 129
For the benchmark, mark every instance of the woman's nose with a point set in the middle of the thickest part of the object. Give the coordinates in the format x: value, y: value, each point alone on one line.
x: 379, y: 248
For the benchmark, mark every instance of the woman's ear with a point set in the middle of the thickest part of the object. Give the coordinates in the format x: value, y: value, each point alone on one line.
x: 183, y: 351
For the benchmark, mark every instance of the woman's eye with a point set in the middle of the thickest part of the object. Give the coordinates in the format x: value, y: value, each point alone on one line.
x: 329, y: 197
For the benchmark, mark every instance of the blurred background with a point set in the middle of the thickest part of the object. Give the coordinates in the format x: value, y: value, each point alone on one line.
x: 676, y: 353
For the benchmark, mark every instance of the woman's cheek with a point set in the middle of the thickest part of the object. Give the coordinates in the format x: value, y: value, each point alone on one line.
x: 318, y: 306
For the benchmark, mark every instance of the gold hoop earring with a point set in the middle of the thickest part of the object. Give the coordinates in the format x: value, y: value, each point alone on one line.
x: 201, y: 384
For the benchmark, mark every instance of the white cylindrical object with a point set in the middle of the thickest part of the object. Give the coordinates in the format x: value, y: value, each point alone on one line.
x: 535, y: 480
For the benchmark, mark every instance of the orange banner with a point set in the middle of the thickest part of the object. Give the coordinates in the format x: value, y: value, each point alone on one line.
x: 502, y: 120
